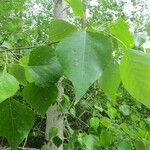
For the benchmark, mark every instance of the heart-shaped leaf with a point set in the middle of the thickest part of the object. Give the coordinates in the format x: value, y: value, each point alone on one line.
x: 83, y: 56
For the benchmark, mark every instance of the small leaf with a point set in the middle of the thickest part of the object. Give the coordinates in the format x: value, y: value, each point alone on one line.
x: 77, y: 7
x: 8, y: 86
x: 40, y: 98
x: 91, y: 142
x: 83, y: 56
x: 106, y: 138
x: 53, y: 132
x: 125, y: 109
x: 94, y: 123
x: 60, y: 29
x: 105, y: 122
x: 121, y: 30
x: 124, y: 145
x: 57, y: 141
x: 16, y: 122
x: 112, y: 112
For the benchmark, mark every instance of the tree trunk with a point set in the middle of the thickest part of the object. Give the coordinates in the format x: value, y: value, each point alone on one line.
x: 54, y: 117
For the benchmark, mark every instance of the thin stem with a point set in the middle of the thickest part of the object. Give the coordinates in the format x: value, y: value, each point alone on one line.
x: 6, y: 61
x: 25, y: 142
x: 23, y: 48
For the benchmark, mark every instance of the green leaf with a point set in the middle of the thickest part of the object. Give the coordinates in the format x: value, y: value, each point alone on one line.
x: 106, y: 138
x: 124, y: 145
x: 16, y: 122
x: 142, y: 145
x: 8, y: 86
x: 105, y: 122
x: 94, y: 123
x: 44, y: 66
x: 77, y: 7
x: 125, y: 109
x: 40, y: 98
x: 83, y: 56
x: 125, y: 128
x: 24, y: 63
x: 121, y: 30
x: 112, y: 112
x: 18, y: 72
x: 60, y: 29
x: 91, y: 142
x: 53, y: 132
x: 110, y: 80
x: 135, y: 75
x: 57, y: 141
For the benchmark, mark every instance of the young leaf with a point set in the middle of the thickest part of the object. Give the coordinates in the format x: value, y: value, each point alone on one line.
x: 60, y: 29
x: 53, y: 132
x: 106, y: 138
x: 110, y: 80
x: 121, y: 30
x: 94, y: 123
x: 8, y: 86
x: 91, y: 142
x: 124, y: 145
x: 83, y: 56
x: 16, y: 122
x: 77, y: 7
x: 142, y: 145
x: 135, y: 75
x: 40, y: 98
x: 43, y: 66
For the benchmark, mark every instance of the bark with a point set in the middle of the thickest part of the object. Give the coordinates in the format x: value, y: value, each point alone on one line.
x: 60, y: 9
x: 54, y: 117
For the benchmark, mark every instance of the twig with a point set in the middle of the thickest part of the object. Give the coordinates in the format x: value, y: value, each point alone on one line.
x: 22, y: 48
x: 21, y: 148
x: 25, y: 142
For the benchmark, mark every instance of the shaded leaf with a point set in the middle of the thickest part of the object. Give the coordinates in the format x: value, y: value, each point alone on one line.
x: 40, y: 98
x: 17, y: 120
x: 18, y: 72
x: 57, y: 141
x: 110, y: 80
